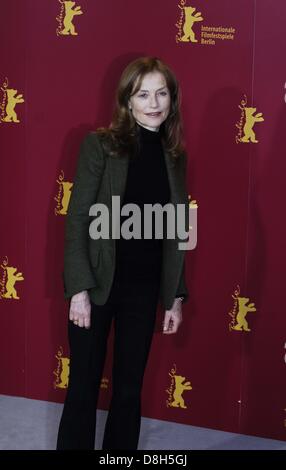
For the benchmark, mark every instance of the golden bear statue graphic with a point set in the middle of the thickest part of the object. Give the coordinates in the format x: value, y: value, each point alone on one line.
x: 65, y: 371
x: 70, y: 12
x: 12, y: 100
x: 66, y: 196
x: 179, y: 389
x: 190, y: 19
x: 12, y: 278
x: 243, y: 309
x: 251, y: 119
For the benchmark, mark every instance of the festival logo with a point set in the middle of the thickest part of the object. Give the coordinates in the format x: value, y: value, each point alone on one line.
x: 62, y: 372
x: 66, y: 18
x: 189, y: 30
x: 10, y: 98
x: 177, y: 387
x: 104, y: 382
x: 241, y: 308
x: 248, y: 117
x: 63, y: 196
x: 8, y: 280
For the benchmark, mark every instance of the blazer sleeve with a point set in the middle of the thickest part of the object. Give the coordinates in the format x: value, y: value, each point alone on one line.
x: 77, y: 273
x: 182, y: 290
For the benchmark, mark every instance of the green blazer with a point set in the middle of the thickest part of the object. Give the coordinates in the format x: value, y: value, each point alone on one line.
x: 89, y: 264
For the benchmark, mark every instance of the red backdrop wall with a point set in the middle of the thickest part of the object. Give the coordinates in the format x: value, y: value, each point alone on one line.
x: 225, y: 368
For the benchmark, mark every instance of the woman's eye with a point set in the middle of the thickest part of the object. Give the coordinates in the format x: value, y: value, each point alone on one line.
x: 145, y: 95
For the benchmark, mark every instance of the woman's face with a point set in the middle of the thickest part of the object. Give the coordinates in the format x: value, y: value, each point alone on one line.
x: 151, y: 103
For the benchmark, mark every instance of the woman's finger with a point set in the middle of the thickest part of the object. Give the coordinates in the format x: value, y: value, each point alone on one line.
x: 87, y: 321
x: 81, y: 321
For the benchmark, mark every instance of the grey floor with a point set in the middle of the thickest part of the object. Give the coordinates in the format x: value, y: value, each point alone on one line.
x: 32, y: 425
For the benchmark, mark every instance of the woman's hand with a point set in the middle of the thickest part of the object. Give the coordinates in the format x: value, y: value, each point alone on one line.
x: 80, y: 309
x: 173, y: 318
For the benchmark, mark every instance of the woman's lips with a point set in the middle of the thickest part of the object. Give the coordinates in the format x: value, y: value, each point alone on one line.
x: 154, y: 114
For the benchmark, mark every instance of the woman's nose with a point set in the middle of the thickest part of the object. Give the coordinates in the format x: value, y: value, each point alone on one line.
x: 153, y: 101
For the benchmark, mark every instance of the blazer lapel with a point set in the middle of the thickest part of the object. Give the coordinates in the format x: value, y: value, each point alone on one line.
x: 118, y: 175
x: 175, y: 180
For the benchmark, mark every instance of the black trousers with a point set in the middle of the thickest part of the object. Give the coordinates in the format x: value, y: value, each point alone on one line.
x: 133, y: 305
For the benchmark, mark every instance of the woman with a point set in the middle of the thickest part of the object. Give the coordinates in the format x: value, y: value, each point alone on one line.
x: 140, y: 159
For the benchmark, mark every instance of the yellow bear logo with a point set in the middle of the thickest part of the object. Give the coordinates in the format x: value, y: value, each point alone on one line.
x: 180, y: 387
x: 65, y: 371
x: 62, y: 371
x: 251, y: 119
x: 66, y: 194
x: 12, y: 100
x: 11, y: 292
x: 243, y: 309
x: 190, y: 19
x: 70, y: 12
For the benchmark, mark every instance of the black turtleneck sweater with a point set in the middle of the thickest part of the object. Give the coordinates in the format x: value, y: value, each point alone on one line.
x: 147, y: 182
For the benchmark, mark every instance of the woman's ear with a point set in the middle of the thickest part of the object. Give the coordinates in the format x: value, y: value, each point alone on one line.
x: 129, y: 104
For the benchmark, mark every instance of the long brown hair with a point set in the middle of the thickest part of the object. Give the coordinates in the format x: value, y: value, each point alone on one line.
x: 123, y: 130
